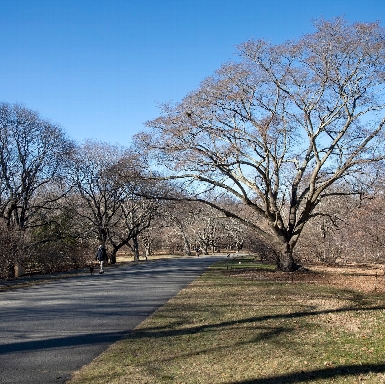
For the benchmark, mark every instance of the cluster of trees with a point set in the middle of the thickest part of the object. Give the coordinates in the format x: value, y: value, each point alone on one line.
x: 59, y: 200
x: 280, y: 152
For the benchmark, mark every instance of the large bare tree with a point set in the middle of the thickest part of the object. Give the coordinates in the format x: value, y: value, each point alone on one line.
x: 33, y: 158
x: 279, y: 127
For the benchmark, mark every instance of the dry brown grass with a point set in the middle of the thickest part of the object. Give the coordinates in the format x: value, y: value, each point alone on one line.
x: 362, y: 278
x: 245, y: 326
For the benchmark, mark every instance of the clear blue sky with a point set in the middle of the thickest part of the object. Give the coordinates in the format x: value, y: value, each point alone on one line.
x: 99, y: 67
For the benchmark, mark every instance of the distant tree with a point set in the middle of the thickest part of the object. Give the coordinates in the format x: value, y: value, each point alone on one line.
x: 364, y: 230
x: 181, y: 219
x: 237, y: 233
x: 99, y: 197
x: 137, y: 215
x: 108, y: 204
x: 209, y: 229
x: 279, y: 128
x: 351, y: 229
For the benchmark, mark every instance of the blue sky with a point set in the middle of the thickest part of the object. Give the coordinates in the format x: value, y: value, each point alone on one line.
x: 98, y: 68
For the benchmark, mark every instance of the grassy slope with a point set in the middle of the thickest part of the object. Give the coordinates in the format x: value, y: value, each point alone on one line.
x: 261, y: 327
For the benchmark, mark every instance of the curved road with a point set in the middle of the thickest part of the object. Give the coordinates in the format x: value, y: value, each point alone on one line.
x: 48, y: 331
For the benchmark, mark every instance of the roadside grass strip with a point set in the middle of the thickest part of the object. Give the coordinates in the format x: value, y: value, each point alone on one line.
x: 264, y: 328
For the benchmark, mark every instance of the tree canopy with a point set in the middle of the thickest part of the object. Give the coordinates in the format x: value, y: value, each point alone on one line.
x: 280, y: 128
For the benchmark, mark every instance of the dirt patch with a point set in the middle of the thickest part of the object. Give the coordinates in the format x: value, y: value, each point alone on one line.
x: 362, y: 278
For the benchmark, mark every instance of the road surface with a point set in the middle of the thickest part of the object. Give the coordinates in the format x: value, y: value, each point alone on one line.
x: 48, y: 331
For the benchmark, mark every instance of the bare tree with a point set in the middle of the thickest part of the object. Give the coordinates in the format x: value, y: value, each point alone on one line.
x: 33, y: 158
x: 351, y: 229
x: 100, y: 197
x: 279, y: 128
x: 111, y: 209
x: 237, y: 233
x: 181, y: 218
x: 137, y: 215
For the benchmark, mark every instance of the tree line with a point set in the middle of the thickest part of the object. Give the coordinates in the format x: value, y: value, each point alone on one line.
x: 280, y: 151
x: 60, y: 200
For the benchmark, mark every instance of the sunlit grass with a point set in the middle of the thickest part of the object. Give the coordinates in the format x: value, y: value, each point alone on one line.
x: 224, y: 328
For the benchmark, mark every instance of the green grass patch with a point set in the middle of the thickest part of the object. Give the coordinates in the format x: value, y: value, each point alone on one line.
x: 228, y: 328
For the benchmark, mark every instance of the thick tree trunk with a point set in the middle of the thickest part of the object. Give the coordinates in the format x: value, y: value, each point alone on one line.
x: 286, y: 260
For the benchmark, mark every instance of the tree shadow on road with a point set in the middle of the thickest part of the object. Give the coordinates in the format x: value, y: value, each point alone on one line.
x: 62, y: 342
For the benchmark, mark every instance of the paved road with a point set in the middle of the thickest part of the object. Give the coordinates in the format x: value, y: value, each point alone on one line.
x: 48, y: 331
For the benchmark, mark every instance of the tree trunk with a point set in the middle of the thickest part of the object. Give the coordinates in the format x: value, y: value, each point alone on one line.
x: 135, y: 247
x: 147, y: 246
x: 113, y: 256
x: 102, y: 237
x: 187, y: 248
x: 286, y: 260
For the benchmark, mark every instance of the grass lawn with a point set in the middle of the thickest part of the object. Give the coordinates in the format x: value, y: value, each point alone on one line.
x: 246, y: 323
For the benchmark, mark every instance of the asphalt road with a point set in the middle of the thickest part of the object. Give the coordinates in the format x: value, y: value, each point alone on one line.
x: 48, y: 331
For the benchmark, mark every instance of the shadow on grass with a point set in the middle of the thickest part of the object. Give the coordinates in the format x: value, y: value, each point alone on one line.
x: 266, y: 333
x: 166, y: 331
x: 326, y: 373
